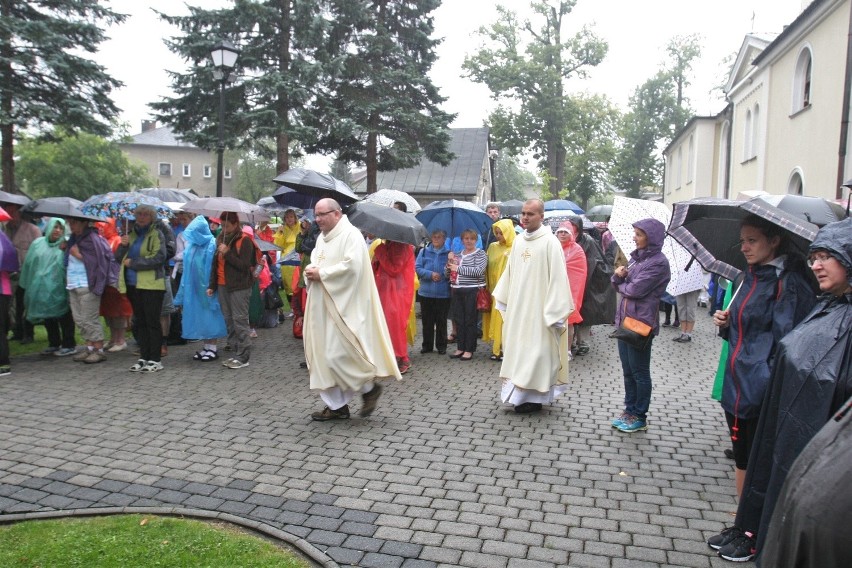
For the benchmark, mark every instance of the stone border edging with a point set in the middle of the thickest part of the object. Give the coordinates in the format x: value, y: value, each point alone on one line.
x: 301, y: 544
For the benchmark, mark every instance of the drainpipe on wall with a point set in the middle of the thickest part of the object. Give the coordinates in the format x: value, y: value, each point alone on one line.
x: 844, y: 121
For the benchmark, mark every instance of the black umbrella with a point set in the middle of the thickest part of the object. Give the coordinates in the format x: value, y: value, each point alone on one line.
x: 13, y: 198
x: 511, y: 207
x: 599, y: 212
x: 172, y: 195
x: 274, y: 208
x: 57, y: 207
x: 709, y: 228
x: 387, y: 223
x: 312, y: 186
x: 815, y: 210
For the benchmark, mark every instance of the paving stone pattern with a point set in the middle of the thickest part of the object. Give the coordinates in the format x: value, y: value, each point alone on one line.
x: 442, y: 474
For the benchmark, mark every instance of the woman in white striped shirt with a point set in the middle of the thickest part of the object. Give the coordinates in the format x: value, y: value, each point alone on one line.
x: 467, y: 275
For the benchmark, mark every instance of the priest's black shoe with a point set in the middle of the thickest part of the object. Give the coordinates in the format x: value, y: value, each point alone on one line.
x: 341, y: 413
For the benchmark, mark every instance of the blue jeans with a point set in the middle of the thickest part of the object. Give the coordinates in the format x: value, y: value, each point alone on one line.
x: 636, y: 364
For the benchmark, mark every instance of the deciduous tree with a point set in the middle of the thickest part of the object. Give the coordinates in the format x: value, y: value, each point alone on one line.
x: 591, y: 145
x: 526, y: 66
x: 378, y: 107
x: 77, y: 166
x: 658, y: 109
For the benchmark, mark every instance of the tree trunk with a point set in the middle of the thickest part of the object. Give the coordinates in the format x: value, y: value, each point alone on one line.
x: 7, y: 162
x: 282, y: 140
x: 7, y: 129
x: 372, y: 161
x: 282, y: 148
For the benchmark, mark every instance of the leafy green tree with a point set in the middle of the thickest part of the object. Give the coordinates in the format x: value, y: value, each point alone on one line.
x: 591, y: 146
x: 278, y: 71
x: 658, y: 109
x: 526, y: 69
x: 45, y: 77
x: 254, y: 175
x: 378, y: 106
x: 510, y: 178
x: 76, y: 166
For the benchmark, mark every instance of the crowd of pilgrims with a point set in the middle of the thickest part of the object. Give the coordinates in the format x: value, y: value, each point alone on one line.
x: 784, y: 372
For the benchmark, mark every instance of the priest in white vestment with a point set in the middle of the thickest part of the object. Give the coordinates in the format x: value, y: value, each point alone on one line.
x: 535, y: 298
x: 347, y: 344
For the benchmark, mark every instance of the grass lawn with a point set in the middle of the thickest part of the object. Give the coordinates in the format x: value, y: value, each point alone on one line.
x: 140, y: 541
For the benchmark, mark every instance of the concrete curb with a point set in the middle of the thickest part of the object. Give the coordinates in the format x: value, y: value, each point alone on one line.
x: 300, y: 544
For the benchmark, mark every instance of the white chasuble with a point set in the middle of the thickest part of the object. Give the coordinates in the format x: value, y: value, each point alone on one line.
x: 534, y: 289
x: 346, y: 338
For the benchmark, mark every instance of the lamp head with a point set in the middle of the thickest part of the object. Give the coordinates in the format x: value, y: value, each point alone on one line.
x: 224, y: 55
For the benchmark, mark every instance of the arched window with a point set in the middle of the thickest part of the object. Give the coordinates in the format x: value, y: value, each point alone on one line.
x: 802, y: 80
x: 747, y: 133
x: 755, y: 131
x: 796, y: 186
x: 690, y: 164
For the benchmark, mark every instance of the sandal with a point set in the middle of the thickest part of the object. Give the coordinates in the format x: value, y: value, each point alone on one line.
x: 199, y: 354
x: 209, y: 355
x: 496, y: 357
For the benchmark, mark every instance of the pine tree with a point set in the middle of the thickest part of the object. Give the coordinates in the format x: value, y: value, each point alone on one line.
x: 44, y: 78
x: 277, y: 68
x: 377, y: 106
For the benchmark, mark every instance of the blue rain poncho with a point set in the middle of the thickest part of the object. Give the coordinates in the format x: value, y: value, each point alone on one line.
x: 202, y: 315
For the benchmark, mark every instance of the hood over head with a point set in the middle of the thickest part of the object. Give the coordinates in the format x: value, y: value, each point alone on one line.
x: 836, y: 238
x: 198, y: 231
x: 48, y: 229
x: 566, y: 225
x: 655, y: 231
x: 507, y: 228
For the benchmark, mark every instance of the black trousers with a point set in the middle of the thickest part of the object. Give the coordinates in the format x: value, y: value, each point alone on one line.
x: 60, y: 331
x: 5, y: 306
x: 147, y: 306
x: 466, y: 317
x: 23, y: 328
x: 433, y: 313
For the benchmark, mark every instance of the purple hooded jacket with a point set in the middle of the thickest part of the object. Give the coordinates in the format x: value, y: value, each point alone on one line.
x: 648, y: 274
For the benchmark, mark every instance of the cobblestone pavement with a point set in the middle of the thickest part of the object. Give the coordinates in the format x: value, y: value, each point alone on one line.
x: 442, y: 474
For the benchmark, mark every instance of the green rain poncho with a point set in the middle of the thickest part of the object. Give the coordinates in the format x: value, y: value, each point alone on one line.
x: 43, y: 276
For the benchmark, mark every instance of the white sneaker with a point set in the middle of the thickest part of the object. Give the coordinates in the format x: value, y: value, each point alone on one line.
x: 138, y: 365
x: 152, y: 367
x: 236, y: 364
x: 115, y: 348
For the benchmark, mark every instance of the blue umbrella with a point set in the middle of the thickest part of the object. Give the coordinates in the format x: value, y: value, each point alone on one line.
x: 454, y: 217
x: 557, y: 204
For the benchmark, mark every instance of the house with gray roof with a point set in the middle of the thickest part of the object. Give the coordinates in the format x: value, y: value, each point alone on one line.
x: 176, y: 163
x: 468, y: 177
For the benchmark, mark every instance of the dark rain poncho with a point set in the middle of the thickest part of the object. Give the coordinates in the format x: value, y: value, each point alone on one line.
x: 810, y: 380
x: 599, y: 301
x: 810, y: 528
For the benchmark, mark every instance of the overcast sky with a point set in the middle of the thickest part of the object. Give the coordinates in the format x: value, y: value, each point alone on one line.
x: 637, y: 32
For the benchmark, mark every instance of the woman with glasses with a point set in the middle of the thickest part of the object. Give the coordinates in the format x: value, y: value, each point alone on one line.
x: 772, y: 299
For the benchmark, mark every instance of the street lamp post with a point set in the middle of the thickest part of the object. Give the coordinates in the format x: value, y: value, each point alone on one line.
x: 224, y: 58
